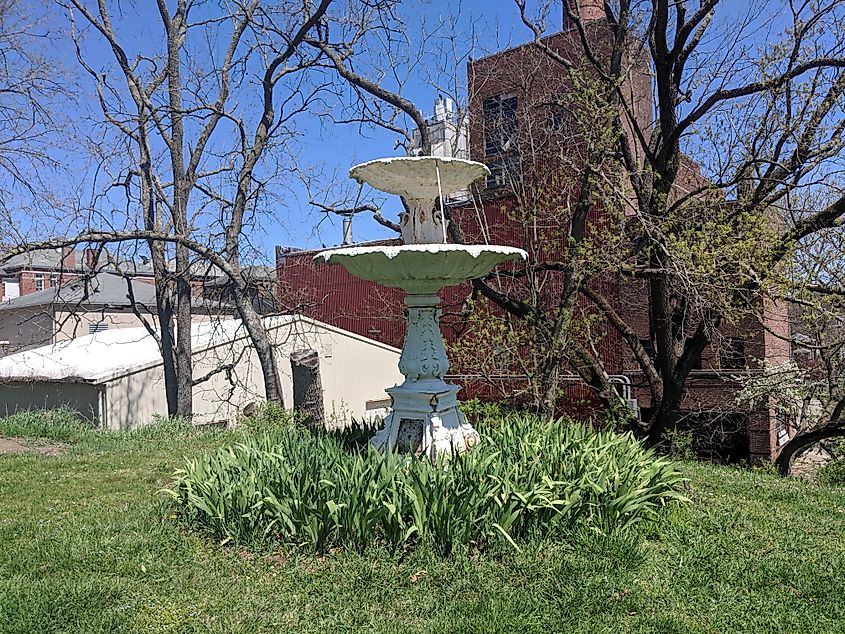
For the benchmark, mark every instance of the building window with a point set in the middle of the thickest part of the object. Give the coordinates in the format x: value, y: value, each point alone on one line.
x: 732, y: 354
x: 54, y: 279
x: 648, y: 346
x: 503, y: 172
x: 39, y: 281
x: 99, y: 326
x: 499, y: 124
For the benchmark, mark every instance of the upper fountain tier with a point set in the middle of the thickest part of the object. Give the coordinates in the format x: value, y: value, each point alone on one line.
x: 425, y: 264
x: 420, y: 180
x: 421, y: 269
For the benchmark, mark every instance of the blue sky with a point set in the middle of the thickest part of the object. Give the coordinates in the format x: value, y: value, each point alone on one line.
x: 323, y: 148
x: 341, y: 147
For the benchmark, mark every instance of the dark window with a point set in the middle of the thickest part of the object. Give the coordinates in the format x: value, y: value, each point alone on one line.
x: 732, y: 354
x: 562, y: 120
x: 648, y: 346
x: 503, y: 172
x: 802, y: 348
x: 499, y: 124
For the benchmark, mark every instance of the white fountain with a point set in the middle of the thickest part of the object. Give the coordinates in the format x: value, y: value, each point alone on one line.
x: 424, y: 418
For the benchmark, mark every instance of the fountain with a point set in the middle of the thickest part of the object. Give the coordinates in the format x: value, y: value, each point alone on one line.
x: 424, y: 418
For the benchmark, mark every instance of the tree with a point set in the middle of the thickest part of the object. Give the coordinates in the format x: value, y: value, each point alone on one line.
x: 32, y: 92
x: 705, y: 242
x: 766, y: 126
x: 195, y: 154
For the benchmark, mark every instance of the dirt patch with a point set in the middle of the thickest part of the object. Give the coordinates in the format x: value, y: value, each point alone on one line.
x: 24, y: 445
x: 808, y: 463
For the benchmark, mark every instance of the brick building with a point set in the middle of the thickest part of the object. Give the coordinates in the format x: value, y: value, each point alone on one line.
x: 49, y: 268
x: 522, y: 125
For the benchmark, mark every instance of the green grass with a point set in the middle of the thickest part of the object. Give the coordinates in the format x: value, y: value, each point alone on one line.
x: 87, y: 545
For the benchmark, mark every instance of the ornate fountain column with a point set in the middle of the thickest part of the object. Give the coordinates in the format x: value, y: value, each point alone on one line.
x: 424, y: 417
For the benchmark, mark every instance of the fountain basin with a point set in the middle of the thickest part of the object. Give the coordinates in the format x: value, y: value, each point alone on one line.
x: 415, y: 177
x: 421, y: 269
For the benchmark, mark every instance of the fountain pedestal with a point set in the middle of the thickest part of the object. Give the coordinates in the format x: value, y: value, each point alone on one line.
x: 424, y: 417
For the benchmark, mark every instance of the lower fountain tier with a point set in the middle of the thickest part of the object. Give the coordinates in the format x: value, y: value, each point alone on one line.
x: 425, y: 420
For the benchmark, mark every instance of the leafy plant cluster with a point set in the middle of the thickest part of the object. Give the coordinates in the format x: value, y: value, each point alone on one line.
x: 527, y: 479
x: 833, y: 473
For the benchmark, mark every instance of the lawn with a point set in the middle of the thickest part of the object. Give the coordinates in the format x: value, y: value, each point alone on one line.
x: 88, y: 545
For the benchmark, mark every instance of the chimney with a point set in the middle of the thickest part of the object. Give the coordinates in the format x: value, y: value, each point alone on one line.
x: 347, y: 231
x: 68, y: 259
x: 586, y: 10
x: 91, y: 257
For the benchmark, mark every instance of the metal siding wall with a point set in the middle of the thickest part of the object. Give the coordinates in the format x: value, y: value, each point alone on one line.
x: 19, y: 396
x: 331, y: 295
x: 133, y: 400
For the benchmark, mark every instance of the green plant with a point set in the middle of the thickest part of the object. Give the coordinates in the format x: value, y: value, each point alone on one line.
x: 61, y: 425
x: 833, y: 473
x: 528, y: 477
x: 679, y: 444
x: 268, y: 416
x: 767, y: 467
x: 485, y: 414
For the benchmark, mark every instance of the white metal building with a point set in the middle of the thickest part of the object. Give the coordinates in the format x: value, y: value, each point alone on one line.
x: 116, y: 378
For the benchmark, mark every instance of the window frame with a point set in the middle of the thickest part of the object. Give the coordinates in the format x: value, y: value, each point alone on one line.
x: 501, y: 123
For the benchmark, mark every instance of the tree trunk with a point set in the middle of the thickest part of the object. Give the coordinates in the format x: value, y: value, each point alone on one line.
x: 164, y: 308
x: 262, y: 344
x: 184, y: 348
x: 665, y: 414
x: 801, y: 443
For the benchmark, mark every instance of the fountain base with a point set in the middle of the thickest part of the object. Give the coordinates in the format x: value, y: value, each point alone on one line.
x: 424, y: 420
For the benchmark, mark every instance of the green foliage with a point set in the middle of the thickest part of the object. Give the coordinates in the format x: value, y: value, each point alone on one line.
x: 767, y: 467
x: 527, y: 478
x: 268, y: 416
x: 678, y: 444
x: 85, y: 546
x: 833, y: 473
x: 60, y: 425
x: 485, y: 414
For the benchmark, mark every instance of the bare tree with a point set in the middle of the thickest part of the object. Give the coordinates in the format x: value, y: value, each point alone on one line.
x: 196, y: 153
x: 702, y: 243
x: 766, y: 126
x: 34, y: 93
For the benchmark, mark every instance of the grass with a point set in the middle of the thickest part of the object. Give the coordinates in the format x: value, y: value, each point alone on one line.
x: 87, y: 545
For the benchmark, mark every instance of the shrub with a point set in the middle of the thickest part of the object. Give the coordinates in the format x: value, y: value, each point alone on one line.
x: 268, y: 416
x: 527, y: 478
x: 486, y: 414
x: 833, y: 473
x: 679, y: 444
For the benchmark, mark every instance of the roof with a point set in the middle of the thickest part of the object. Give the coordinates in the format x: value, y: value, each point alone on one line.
x: 255, y: 274
x: 104, y: 261
x: 77, y: 260
x: 103, y: 289
x: 103, y: 356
